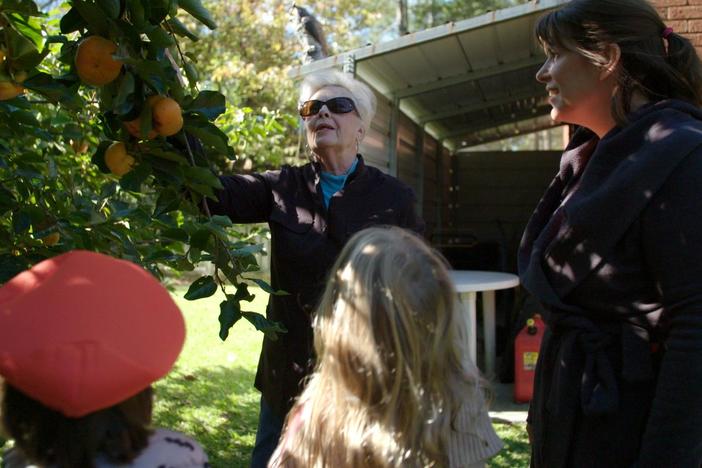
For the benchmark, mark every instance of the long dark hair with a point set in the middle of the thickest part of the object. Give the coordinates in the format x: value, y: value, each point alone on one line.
x: 657, y: 67
x: 47, y: 437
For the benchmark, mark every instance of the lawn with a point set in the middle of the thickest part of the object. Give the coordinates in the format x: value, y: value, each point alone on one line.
x: 209, y: 394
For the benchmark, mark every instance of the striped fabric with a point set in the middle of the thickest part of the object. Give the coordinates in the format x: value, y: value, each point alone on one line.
x: 474, y: 440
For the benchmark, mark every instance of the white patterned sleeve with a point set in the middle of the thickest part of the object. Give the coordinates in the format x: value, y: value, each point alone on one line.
x: 173, y: 450
x: 473, y: 440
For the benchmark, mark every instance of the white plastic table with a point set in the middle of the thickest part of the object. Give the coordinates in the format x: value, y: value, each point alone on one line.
x: 468, y: 283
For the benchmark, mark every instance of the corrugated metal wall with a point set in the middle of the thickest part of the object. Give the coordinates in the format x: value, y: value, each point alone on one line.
x: 374, y: 147
x: 487, y: 194
x: 495, y: 193
x: 421, y: 162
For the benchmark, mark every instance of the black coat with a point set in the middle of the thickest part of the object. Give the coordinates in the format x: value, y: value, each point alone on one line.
x: 306, y: 238
x: 614, y: 252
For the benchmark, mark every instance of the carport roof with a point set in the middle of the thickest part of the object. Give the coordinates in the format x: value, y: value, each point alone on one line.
x: 467, y: 82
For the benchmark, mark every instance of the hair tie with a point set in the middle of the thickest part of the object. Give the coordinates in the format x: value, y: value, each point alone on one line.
x: 667, y: 32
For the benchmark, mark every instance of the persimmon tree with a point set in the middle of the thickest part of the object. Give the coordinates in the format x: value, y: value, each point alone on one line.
x: 107, y: 143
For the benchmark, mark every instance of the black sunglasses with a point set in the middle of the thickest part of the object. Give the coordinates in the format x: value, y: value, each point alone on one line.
x: 337, y: 105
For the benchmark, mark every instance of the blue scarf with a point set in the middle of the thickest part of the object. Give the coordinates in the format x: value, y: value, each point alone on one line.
x: 332, y: 183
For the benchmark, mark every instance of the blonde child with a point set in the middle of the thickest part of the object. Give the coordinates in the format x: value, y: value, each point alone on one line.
x: 393, y: 385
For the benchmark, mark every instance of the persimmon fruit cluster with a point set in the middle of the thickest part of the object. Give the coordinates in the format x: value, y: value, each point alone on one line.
x: 166, y: 118
x: 94, y: 62
x: 118, y: 160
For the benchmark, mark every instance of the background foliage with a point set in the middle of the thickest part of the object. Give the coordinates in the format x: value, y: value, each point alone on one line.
x: 57, y: 192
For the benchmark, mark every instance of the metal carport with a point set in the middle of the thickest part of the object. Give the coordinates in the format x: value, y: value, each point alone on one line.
x: 445, y: 88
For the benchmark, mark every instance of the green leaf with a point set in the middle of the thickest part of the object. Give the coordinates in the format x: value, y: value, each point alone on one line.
x: 111, y: 7
x: 161, y: 255
x: 209, y: 134
x: 179, y: 28
x: 158, y: 10
x: 182, y: 264
x: 21, y: 221
x: 29, y: 27
x: 122, y: 103
x: 203, y: 175
x: 172, y: 8
x: 217, y: 230
x: 10, y: 266
x: 191, y: 72
x: 94, y: 16
x: 134, y: 179
x: 202, y: 189
x: 63, y: 91
x: 243, y: 294
x: 29, y: 61
x: 99, y: 156
x: 160, y: 38
x: 199, y: 12
x: 108, y: 190
x: 122, y: 213
x: 175, y: 234
x: 267, y: 287
x: 72, y: 21
x: 248, y: 250
x: 136, y: 12
x: 269, y: 328
x: 145, y: 122
x: 168, y: 155
x: 19, y: 45
x: 200, y: 238
x: 152, y: 72
x: 130, y: 34
x: 24, y: 117
x: 201, y: 287
x: 211, y: 104
x: 168, y: 201
x: 25, y: 7
x: 222, y: 221
x: 7, y: 200
x: 229, y: 314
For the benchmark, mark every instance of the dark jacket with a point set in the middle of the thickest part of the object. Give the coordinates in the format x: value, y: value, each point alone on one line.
x: 618, y: 267
x: 305, y: 241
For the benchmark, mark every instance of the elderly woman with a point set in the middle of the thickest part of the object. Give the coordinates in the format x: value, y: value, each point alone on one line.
x: 613, y: 249
x: 312, y: 210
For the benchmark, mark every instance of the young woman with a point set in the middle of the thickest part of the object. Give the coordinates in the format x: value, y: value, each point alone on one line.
x: 82, y: 337
x: 393, y: 386
x: 613, y: 248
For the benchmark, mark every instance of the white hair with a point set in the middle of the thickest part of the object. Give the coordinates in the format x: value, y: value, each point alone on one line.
x: 362, y: 95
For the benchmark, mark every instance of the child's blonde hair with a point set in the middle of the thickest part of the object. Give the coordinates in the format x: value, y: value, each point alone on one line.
x: 393, y: 368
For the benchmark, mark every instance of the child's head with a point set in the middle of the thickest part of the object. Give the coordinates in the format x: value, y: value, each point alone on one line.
x: 82, y: 337
x: 385, y: 316
x: 392, y: 366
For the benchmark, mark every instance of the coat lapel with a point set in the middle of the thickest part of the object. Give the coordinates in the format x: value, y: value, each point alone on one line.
x: 627, y: 168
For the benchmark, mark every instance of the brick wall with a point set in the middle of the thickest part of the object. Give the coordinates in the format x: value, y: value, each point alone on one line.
x: 685, y: 17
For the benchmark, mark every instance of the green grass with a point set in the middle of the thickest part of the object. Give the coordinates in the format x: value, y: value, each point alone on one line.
x: 209, y: 394
x: 516, y: 451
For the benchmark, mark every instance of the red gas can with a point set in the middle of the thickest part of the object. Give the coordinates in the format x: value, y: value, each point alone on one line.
x: 526, y: 352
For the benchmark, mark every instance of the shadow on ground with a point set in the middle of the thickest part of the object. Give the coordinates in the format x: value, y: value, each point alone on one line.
x: 216, y: 405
